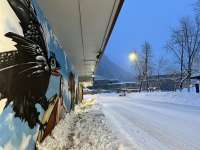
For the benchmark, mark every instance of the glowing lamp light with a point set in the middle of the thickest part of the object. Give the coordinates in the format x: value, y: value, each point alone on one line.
x: 133, y: 57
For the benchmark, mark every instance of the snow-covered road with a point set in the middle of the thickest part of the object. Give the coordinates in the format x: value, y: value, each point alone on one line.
x: 148, y: 124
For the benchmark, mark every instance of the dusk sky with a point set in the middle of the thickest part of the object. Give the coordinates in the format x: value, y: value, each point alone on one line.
x: 139, y: 21
x: 142, y: 20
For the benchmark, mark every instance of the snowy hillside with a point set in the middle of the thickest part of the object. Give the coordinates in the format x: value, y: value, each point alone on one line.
x: 109, y: 70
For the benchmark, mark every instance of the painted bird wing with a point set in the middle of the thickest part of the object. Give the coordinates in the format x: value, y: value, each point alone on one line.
x: 30, y: 58
x: 24, y: 73
x: 31, y: 27
x: 27, y: 49
x: 26, y: 64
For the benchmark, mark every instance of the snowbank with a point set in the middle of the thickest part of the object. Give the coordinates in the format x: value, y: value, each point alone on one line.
x: 84, y: 129
x: 182, y: 98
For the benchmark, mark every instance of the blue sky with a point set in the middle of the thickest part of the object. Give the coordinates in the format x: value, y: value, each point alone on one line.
x: 150, y: 20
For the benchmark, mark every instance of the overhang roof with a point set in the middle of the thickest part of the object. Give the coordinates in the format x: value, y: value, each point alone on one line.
x: 83, y: 28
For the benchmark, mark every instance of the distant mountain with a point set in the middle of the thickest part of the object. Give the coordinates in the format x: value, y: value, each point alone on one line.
x: 109, y: 70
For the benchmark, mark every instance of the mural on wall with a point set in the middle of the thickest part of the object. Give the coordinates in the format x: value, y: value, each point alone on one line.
x: 35, y: 74
x: 25, y: 73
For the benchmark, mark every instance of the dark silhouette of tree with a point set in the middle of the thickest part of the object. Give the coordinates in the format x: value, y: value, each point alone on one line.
x: 147, y: 63
x: 185, y: 45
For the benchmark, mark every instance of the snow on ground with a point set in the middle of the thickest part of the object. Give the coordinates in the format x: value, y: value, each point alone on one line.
x: 84, y: 129
x: 155, y: 121
x: 138, y: 121
x: 184, y: 98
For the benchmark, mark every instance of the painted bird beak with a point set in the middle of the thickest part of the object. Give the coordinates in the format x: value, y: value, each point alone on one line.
x: 55, y: 72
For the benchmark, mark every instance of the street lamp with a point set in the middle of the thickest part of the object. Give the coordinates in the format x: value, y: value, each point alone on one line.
x: 133, y: 57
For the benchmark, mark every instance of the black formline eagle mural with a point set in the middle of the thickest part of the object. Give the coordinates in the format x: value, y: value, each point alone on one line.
x: 25, y: 72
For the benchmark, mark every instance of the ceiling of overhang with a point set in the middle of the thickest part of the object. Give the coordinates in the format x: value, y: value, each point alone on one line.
x: 82, y: 27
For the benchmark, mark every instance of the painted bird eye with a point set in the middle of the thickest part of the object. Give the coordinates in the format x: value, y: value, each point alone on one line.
x: 53, y: 63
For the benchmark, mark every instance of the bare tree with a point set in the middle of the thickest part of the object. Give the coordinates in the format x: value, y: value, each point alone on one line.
x: 185, y: 44
x: 177, y: 46
x: 191, y: 33
x: 138, y: 67
x: 143, y: 66
x: 147, y: 63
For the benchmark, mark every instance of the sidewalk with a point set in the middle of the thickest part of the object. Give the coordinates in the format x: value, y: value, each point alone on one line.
x: 84, y: 129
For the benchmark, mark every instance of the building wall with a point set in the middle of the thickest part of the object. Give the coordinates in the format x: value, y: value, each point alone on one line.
x: 15, y: 132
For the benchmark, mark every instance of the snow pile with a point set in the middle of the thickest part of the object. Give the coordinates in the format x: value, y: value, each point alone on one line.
x: 183, y: 98
x: 84, y: 129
